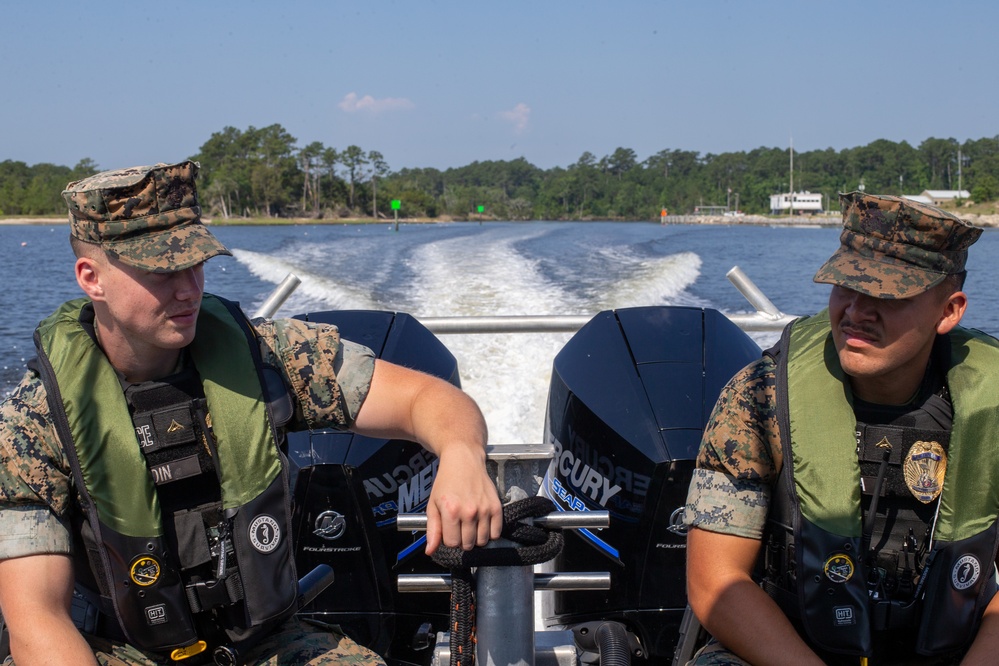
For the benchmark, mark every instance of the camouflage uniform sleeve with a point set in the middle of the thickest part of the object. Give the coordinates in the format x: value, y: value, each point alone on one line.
x: 739, y: 458
x: 329, y: 377
x: 35, y: 480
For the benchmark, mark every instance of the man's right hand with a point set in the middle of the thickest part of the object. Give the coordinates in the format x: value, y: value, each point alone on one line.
x: 35, y: 595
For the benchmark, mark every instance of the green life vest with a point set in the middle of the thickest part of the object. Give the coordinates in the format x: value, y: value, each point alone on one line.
x: 150, y: 594
x: 817, y: 502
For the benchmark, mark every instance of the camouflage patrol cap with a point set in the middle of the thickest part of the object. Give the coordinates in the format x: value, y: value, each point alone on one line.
x: 146, y: 216
x: 892, y: 247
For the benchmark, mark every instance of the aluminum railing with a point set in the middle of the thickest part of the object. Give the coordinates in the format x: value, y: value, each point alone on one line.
x: 766, y: 318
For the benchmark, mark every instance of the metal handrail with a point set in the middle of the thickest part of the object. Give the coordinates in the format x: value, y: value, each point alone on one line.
x: 575, y: 582
x: 559, y: 520
x: 767, y: 317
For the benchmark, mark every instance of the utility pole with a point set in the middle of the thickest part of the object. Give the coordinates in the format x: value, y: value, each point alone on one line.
x: 790, y: 210
x: 959, y: 162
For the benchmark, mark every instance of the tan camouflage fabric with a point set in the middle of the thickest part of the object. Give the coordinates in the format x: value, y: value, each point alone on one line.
x: 146, y: 216
x: 294, y: 643
x: 740, y: 456
x: 892, y: 247
x: 713, y: 654
x: 329, y: 379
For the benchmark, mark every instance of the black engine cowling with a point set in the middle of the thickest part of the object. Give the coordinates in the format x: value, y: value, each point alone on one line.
x: 629, y: 396
x: 348, y: 490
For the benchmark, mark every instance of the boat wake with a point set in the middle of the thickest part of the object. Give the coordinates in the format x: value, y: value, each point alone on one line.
x: 466, y: 275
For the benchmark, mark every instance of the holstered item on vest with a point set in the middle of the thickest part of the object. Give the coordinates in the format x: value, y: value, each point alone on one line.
x: 833, y: 591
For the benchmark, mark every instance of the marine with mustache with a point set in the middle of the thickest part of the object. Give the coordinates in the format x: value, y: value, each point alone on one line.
x: 844, y: 506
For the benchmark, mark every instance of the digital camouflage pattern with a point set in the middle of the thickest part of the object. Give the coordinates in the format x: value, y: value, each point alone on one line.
x: 740, y: 456
x: 713, y: 654
x: 294, y: 643
x: 328, y: 378
x: 892, y: 247
x: 146, y: 216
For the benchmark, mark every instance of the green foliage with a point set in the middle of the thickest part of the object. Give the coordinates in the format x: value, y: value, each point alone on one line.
x: 986, y: 189
x: 263, y: 172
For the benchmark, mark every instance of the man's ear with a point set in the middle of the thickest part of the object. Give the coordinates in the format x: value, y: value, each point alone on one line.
x: 88, y: 276
x: 953, y: 311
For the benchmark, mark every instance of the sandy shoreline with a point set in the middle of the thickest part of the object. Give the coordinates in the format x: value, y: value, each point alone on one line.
x: 34, y: 220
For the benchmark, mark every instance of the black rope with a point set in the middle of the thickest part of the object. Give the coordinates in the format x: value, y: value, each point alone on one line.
x: 537, y: 544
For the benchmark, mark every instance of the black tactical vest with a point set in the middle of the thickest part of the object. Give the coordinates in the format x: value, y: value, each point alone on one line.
x: 187, y: 518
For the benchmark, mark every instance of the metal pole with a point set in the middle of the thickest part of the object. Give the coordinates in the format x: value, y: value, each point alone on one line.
x: 753, y: 294
x: 767, y: 318
x: 504, y: 638
x: 542, y: 581
x: 563, y: 520
x: 278, y: 296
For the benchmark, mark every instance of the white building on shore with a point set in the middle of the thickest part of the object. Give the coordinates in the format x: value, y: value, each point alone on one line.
x: 801, y: 202
x: 938, y: 197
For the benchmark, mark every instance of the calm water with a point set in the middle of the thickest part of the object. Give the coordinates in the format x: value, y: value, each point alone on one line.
x: 468, y: 269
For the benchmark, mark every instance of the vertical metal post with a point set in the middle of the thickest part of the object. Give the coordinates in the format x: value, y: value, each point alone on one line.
x: 505, y: 638
x: 505, y: 595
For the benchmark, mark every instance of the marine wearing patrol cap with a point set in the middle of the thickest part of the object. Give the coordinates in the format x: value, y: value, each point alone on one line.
x: 146, y: 216
x: 892, y: 247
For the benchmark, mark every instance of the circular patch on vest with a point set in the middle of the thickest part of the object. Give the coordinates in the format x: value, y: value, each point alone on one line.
x: 144, y: 571
x: 838, y: 568
x: 924, y: 468
x: 265, y: 535
x: 965, y: 573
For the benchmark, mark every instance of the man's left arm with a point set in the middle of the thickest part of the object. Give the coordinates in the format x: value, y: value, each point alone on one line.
x: 464, y: 508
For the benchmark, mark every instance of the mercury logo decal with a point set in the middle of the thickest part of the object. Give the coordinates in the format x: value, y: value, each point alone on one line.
x: 676, y: 525
x: 330, y: 525
x: 965, y: 573
x: 265, y: 535
x: 144, y: 571
x: 584, y: 479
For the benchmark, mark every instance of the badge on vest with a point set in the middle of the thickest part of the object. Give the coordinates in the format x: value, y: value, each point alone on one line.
x: 839, y: 568
x: 924, y: 468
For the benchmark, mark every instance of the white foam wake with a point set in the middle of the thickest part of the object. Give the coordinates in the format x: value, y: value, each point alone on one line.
x: 316, y: 292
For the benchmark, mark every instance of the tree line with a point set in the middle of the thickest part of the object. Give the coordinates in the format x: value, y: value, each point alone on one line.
x: 263, y: 172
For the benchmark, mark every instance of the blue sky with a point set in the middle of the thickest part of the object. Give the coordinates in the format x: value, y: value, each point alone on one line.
x: 443, y: 84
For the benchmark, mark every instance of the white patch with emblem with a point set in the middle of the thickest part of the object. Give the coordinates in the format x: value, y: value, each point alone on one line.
x: 265, y: 535
x: 965, y: 572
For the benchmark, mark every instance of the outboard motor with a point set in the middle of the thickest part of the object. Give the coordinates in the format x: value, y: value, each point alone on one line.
x: 348, y: 490
x: 629, y: 397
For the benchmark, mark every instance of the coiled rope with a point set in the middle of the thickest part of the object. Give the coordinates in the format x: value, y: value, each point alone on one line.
x: 537, y: 544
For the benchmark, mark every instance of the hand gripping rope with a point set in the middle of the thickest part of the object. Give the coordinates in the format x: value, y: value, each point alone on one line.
x: 537, y: 544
